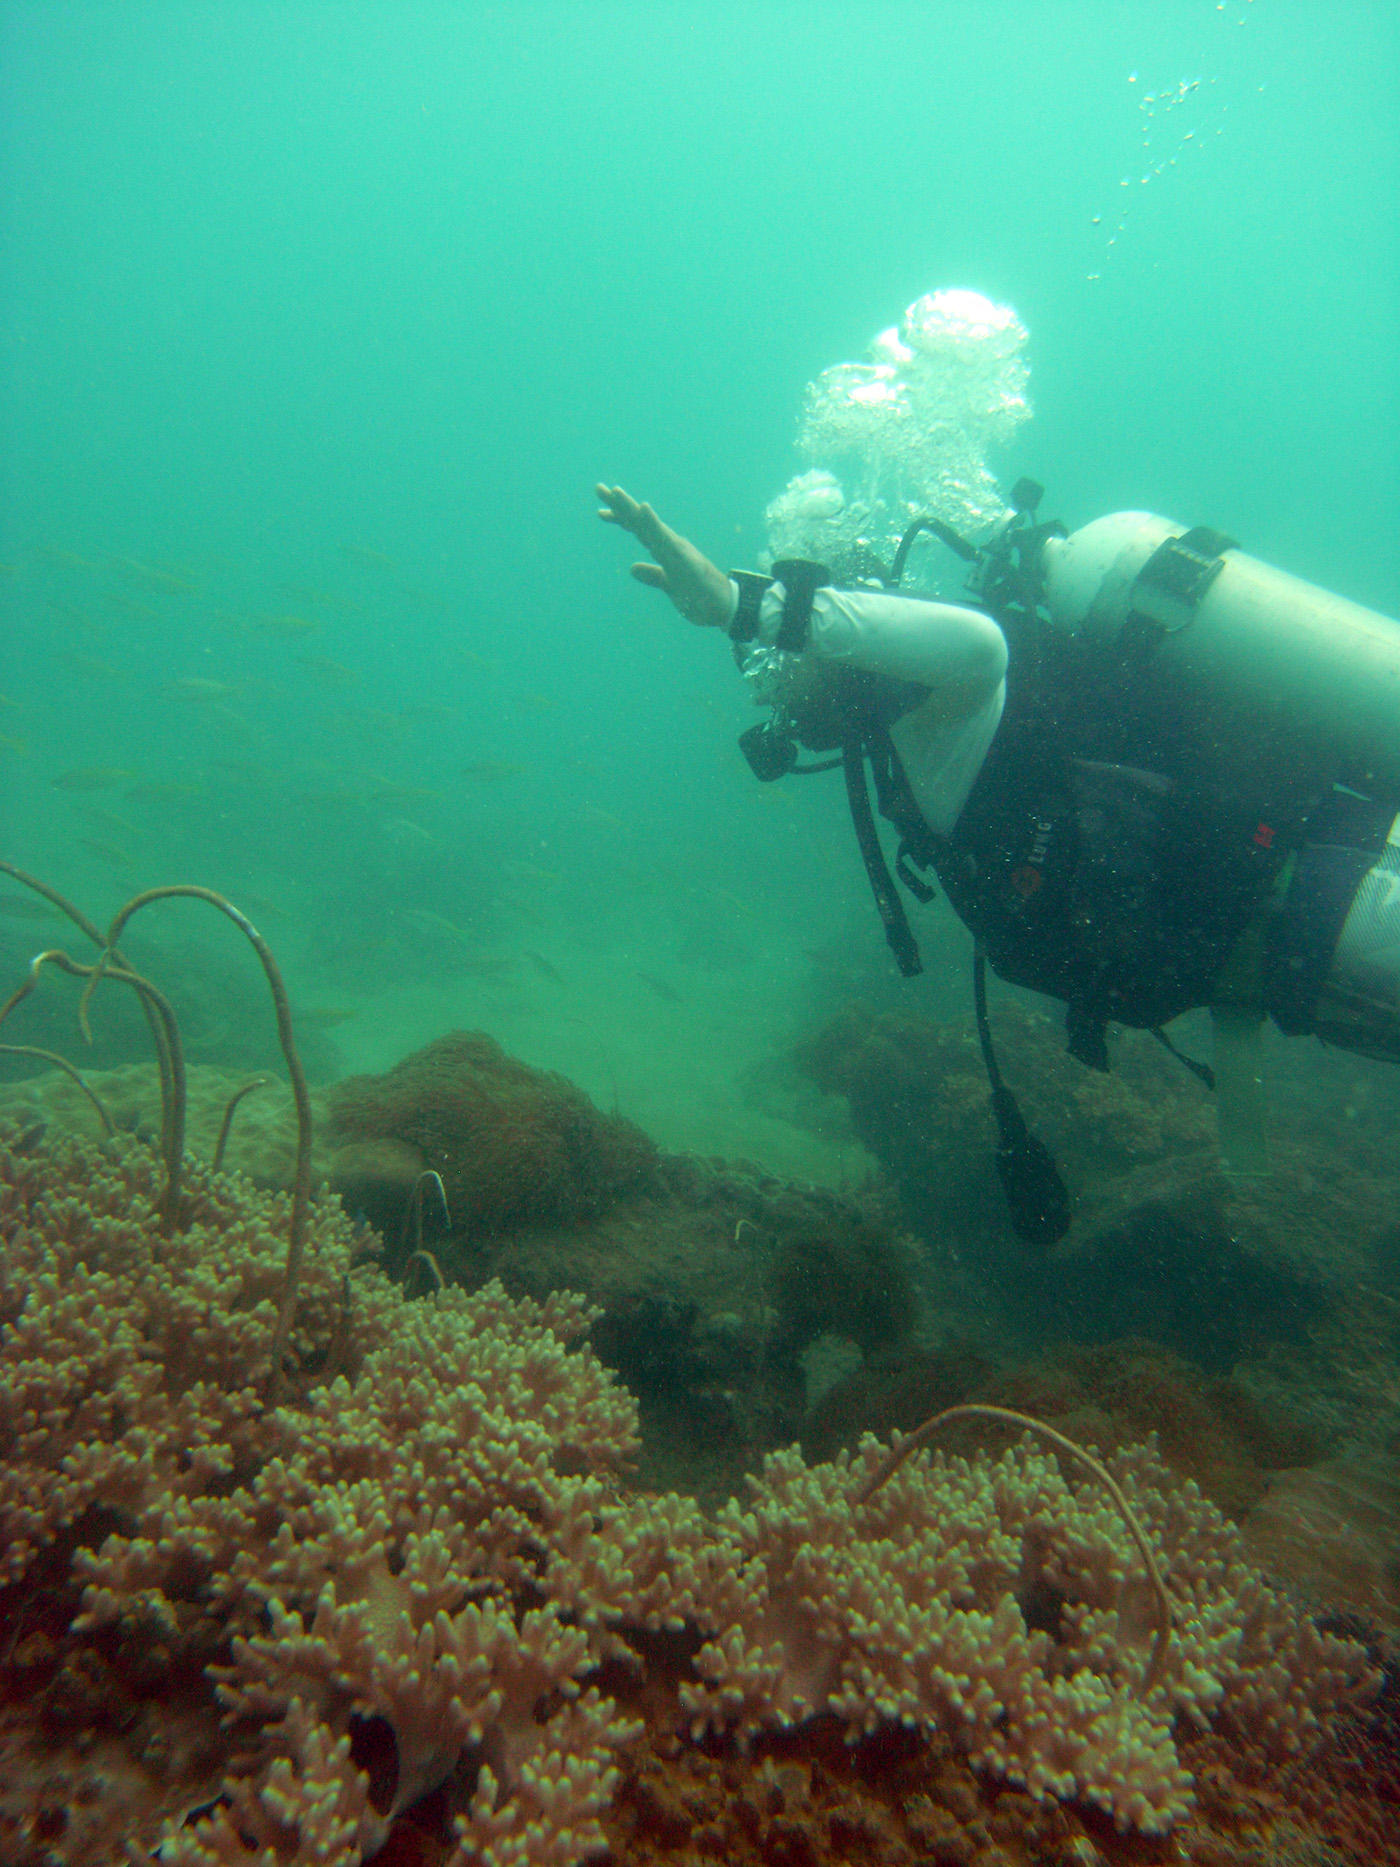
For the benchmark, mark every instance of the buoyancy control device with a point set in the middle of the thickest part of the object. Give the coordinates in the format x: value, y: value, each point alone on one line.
x: 1275, y: 707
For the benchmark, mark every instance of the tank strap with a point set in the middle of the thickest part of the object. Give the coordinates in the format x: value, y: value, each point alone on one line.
x: 1344, y: 840
x: 1168, y: 589
x: 891, y: 909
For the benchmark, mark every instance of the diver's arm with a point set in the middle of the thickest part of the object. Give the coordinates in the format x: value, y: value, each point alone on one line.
x: 699, y: 589
x: 958, y: 654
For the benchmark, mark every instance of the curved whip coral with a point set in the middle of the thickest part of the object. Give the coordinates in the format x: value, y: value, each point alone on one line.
x: 170, y: 1058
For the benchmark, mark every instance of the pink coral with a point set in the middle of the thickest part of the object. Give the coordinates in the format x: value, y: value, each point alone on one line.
x: 993, y: 1600
x: 243, y: 1634
x: 367, y: 1554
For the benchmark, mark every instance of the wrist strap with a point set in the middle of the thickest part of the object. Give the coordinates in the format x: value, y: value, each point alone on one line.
x: 800, y: 578
x: 752, y: 586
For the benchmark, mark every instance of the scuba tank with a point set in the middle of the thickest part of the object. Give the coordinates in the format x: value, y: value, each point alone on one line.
x: 1307, y: 683
x: 1285, y: 691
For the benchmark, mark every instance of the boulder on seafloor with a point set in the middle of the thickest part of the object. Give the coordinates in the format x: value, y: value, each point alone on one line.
x: 513, y: 1145
x: 1164, y: 1244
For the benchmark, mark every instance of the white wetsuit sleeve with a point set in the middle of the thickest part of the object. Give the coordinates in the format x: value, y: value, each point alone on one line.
x: 958, y: 654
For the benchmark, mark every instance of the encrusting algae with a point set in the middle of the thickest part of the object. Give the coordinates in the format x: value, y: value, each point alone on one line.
x: 410, y: 1591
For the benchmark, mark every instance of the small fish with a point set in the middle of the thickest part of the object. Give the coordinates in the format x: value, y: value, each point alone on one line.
x: 520, y: 910
x: 109, y: 853
x: 323, y: 1017
x: 469, y: 658
x: 363, y: 554
x: 93, y: 669
x: 14, y: 742
x: 337, y: 797
x: 429, y: 922
x: 492, y: 771
x: 263, y: 906
x: 531, y: 873
x: 379, y: 720
x: 69, y: 559
x: 173, y: 581
x: 391, y: 791
x: 198, y: 688
x: 545, y: 967
x: 95, y: 778
x: 27, y: 908
x: 289, y: 628
x: 662, y: 987
x: 318, y: 599
x: 425, y: 599
x: 332, y: 674
x: 107, y: 821
x: 737, y: 902
x: 407, y: 833
x: 161, y: 791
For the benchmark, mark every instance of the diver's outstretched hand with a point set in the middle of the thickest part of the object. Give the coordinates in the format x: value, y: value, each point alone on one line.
x: 699, y: 589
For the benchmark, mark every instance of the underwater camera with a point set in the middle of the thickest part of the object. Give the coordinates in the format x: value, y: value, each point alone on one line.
x: 770, y: 750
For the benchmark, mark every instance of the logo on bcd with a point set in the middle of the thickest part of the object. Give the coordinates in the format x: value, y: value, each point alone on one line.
x: 1027, y: 877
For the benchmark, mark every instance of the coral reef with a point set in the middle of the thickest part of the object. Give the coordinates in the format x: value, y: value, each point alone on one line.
x: 713, y: 1277
x: 1210, y: 1429
x: 262, y: 1140
x: 232, y: 1632
x: 1164, y: 1244
x: 990, y: 1599
x: 515, y: 1146
x: 176, y: 1550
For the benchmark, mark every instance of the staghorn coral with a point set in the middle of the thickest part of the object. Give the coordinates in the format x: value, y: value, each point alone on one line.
x: 235, y: 1633
x: 367, y: 1554
x: 990, y: 1599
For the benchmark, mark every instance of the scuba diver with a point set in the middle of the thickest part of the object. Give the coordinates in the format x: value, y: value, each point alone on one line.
x: 1150, y: 773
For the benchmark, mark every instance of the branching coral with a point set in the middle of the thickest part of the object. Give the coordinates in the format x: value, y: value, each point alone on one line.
x: 170, y: 1059
x: 254, y: 1635
x: 371, y: 1553
x: 994, y: 1601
